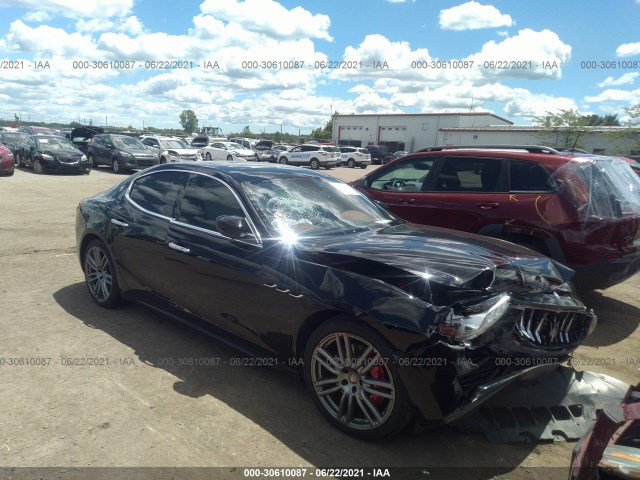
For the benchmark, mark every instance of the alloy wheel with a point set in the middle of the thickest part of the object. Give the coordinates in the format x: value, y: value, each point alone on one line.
x: 352, y: 381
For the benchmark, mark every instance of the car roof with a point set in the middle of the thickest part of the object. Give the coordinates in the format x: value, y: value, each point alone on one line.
x: 540, y: 154
x: 239, y: 168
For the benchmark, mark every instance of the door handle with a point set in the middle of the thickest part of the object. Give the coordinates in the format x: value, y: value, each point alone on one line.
x: 119, y: 223
x: 487, y: 205
x: 177, y: 247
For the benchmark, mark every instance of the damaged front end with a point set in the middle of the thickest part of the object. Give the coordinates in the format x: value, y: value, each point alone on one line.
x: 526, y: 319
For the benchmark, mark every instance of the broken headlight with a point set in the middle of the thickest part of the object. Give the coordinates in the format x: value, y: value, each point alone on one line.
x: 473, y: 320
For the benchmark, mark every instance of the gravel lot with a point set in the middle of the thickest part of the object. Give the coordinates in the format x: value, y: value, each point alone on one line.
x: 140, y: 406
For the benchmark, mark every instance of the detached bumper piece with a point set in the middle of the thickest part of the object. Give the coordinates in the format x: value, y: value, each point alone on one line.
x: 561, y: 405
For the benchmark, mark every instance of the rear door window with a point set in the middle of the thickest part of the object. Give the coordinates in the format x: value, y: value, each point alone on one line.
x: 157, y: 192
x: 470, y: 174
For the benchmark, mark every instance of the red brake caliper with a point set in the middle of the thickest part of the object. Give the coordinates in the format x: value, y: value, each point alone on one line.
x: 377, y: 372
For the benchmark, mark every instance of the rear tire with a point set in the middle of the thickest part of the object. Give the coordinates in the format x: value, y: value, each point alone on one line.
x: 18, y: 161
x: 351, y: 163
x: 100, y: 275
x: 314, y: 164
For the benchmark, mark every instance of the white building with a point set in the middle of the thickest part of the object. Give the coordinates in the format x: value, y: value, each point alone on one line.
x: 414, y: 131
x: 407, y: 131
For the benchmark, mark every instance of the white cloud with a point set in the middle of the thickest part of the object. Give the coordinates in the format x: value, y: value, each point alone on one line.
x: 270, y: 18
x: 536, y: 55
x: 616, y: 95
x: 534, y: 105
x: 46, y: 40
x: 473, y: 16
x: 624, y: 79
x: 37, y: 16
x: 628, y: 49
x: 75, y: 8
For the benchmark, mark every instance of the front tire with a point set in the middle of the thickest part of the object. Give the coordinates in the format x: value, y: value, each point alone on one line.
x: 229, y: 158
x: 163, y: 160
x: 282, y: 161
x: 18, y: 161
x: 91, y: 162
x: 100, y: 275
x: 117, y: 168
x: 208, y: 157
x: 350, y: 373
x: 37, y: 166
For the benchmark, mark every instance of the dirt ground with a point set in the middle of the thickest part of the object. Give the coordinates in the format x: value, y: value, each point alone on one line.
x: 143, y: 403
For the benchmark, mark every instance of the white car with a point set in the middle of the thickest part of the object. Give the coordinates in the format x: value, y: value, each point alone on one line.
x: 227, y: 151
x: 355, y: 156
x: 170, y: 150
x: 311, y: 155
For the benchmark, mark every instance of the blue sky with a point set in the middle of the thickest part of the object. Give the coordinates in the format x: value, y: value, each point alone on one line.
x: 238, y: 33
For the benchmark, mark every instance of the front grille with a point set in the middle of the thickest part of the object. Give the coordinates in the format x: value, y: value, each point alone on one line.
x: 551, y: 329
x: 69, y: 159
x: 187, y: 157
x: 142, y: 162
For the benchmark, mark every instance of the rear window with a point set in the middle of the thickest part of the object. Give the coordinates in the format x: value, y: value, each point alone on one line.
x: 157, y: 192
x: 600, y: 187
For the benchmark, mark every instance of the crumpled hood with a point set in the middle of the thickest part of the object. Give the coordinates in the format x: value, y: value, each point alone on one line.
x: 452, y: 258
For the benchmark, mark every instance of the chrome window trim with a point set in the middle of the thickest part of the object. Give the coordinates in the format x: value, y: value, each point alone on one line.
x: 138, y: 206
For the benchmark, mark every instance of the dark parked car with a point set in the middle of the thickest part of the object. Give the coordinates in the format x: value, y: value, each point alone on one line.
x: 12, y: 139
x: 81, y: 136
x: 200, y: 141
x: 387, y: 321
x: 379, y: 154
x: 120, y: 152
x: 7, y: 161
x: 51, y: 153
x: 583, y: 211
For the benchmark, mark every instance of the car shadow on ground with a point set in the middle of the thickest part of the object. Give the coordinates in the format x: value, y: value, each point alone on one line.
x: 279, y: 403
x: 617, y: 320
x: 30, y: 171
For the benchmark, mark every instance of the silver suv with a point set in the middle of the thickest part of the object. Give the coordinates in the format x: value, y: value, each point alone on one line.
x: 314, y: 156
x: 169, y: 149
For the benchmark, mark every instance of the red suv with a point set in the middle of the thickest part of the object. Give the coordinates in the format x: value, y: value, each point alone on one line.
x: 582, y: 211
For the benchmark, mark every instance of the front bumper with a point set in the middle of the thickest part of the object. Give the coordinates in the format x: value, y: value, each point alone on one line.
x: 58, y: 166
x: 140, y: 162
x: 451, y: 377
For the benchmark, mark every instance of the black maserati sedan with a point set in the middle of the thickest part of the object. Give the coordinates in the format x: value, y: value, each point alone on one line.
x: 388, y: 322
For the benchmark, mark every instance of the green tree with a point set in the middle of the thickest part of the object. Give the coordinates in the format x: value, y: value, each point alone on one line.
x: 246, y: 131
x: 326, y: 132
x: 189, y: 121
x: 567, y: 125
